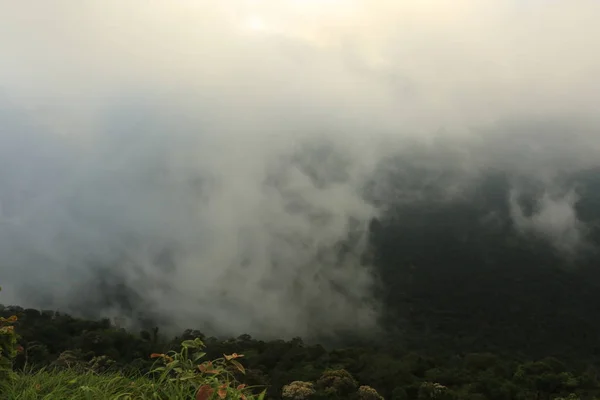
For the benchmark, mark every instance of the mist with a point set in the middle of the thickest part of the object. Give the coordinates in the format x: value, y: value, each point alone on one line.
x: 219, y: 165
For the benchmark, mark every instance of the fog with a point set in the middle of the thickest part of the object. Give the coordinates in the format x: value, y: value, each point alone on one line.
x: 207, y: 162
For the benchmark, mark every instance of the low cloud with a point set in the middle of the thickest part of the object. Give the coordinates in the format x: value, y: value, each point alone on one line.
x: 553, y: 217
x: 217, y: 164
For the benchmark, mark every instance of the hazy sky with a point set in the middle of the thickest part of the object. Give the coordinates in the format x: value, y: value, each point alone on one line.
x: 132, y: 128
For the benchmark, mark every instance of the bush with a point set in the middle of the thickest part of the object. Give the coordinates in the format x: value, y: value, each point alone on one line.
x: 8, y: 348
x: 368, y: 393
x: 337, y: 383
x: 183, y: 373
x: 298, y: 390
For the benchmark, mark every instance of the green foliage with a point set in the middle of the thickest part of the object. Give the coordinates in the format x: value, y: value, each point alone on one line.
x: 8, y: 347
x: 333, y: 384
x: 299, y: 390
x: 176, y: 375
x: 57, y: 346
x: 399, y: 393
x: 545, y: 377
x: 184, y: 371
x: 75, y: 385
x: 337, y: 383
x: 431, y: 390
x: 368, y: 393
x: 571, y: 396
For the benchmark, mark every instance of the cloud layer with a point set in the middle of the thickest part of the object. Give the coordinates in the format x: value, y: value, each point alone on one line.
x: 214, y: 159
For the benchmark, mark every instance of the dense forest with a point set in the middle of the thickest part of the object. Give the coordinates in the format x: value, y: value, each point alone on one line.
x: 472, y: 311
x: 458, y: 283
x: 296, y: 370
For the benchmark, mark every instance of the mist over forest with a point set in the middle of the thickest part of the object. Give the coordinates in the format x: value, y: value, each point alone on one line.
x: 372, y: 170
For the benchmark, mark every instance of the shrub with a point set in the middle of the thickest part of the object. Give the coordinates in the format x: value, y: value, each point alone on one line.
x: 8, y: 347
x: 298, y: 390
x: 337, y: 382
x: 368, y: 393
x: 183, y: 371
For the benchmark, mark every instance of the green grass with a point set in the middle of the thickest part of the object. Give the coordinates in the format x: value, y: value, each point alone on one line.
x: 68, y: 384
x: 176, y: 375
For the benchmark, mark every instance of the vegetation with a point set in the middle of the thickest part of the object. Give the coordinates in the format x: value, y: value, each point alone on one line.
x: 471, y: 312
x: 8, y: 348
x: 69, y: 358
x: 175, y: 375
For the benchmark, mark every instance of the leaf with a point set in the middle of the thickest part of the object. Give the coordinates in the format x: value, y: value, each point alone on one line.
x: 204, y: 392
x: 172, y: 363
x: 186, y: 377
x: 262, y: 395
x: 192, y: 344
x: 232, y: 356
x: 239, y: 366
x: 222, y: 392
x: 207, y: 368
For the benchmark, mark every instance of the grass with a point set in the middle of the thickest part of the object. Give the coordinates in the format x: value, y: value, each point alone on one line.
x: 70, y: 384
x: 177, y: 375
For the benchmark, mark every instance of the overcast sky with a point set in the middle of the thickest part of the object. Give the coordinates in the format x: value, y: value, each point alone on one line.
x: 128, y: 127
